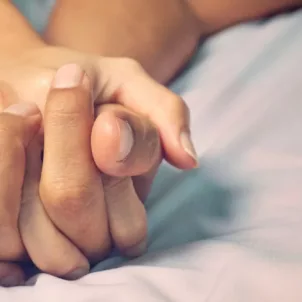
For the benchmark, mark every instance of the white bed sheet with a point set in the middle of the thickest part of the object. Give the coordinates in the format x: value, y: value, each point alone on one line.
x: 231, y: 230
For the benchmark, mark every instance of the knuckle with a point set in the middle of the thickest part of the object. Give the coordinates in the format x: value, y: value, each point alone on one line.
x: 11, y: 248
x: 9, y: 124
x: 10, y: 145
x: 177, y: 107
x: 130, y: 64
x: 115, y: 183
x: 48, y: 267
x: 126, y: 233
x: 8, y: 95
x: 6, y: 136
x: 53, y: 266
x: 175, y: 101
x: 128, y: 236
x: 67, y: 102
x: 153, y: 147
x: 66, y: 197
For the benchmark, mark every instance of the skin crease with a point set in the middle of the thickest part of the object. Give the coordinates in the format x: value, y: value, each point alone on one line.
x: 192, y: 23
x: 63, y: 205
x: 28, y: 76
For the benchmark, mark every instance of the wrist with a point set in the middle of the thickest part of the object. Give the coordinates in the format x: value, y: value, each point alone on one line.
x: 160, y: 34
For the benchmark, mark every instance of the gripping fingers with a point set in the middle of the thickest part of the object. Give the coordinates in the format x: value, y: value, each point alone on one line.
x: 129, y: 85
x: 10, y: 274
x: 124, y: 143
x: 127, y: 215
x: 56, y: 255
x: 18, y: 125
x: 71, y: 187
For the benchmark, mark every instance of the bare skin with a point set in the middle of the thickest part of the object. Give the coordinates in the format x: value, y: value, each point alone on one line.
x: 163, y: 36
x: 160, y: 34
x: 67, y: 199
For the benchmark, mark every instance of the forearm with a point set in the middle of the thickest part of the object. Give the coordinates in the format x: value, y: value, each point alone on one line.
x: 78, y: 24
x: 139, y: 29
x: 160, y: 34
x: 218, y: 14
x: 15, y: 32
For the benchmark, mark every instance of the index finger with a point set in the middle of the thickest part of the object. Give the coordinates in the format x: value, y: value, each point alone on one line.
x: 129, y: 85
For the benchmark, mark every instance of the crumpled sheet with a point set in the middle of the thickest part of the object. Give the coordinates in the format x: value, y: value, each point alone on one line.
x: 230, y: 230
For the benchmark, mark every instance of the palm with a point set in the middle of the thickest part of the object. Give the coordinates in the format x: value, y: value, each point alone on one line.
x: 29, y: 78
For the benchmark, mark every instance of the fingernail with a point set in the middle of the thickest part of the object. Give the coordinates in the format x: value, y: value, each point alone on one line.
x: 136, y: 250
x: 23, y: 109
x: 77, y: 274
x: 126, y: 140
x: 68, y: 76
x: 9, y: 281
x: 188, y: 146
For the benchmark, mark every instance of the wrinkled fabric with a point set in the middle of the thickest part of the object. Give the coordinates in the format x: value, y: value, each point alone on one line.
x: 230, y: 230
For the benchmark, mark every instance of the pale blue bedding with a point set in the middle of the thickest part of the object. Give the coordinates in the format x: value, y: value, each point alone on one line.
x: 231, y: 230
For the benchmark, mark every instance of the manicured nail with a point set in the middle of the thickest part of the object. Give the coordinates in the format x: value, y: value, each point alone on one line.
x: 77, y: 274
x: 136, y: 250
x: 11, y: 280
x: 126, y: 140
x: 188, y: 146
x: 68, y: 76
x: 23, y: 109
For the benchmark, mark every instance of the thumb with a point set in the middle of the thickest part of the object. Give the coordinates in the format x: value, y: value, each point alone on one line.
x: 124, y: 81
x: 123, y: 143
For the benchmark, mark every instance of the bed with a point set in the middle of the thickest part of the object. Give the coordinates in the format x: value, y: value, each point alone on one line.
x: 231, y: 230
